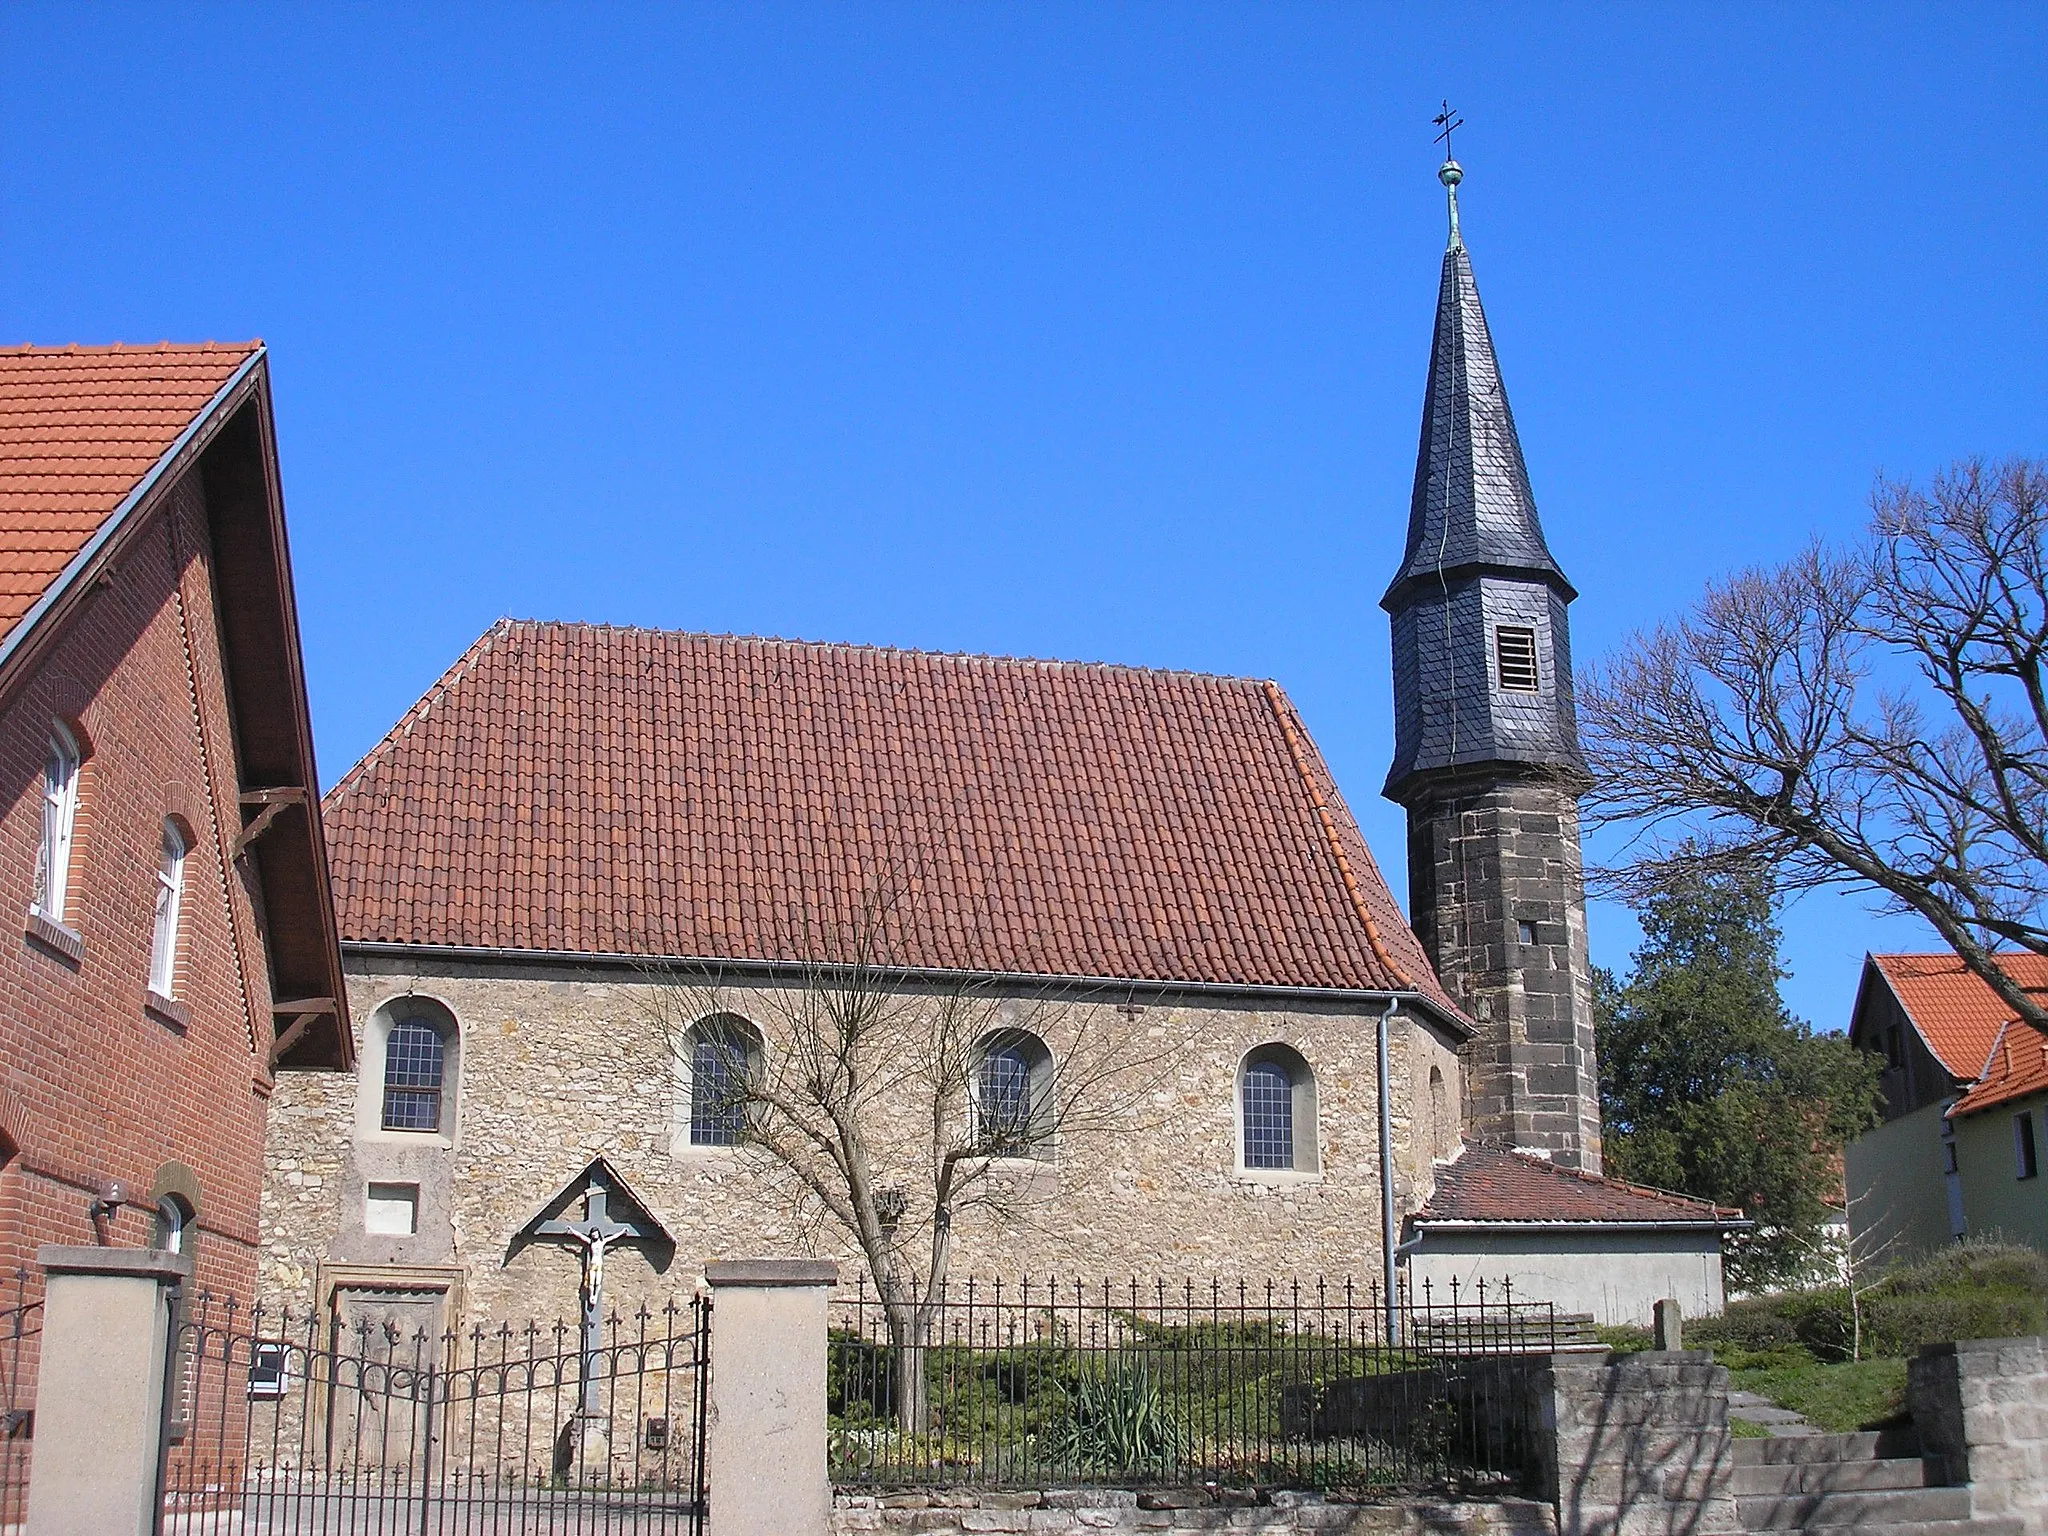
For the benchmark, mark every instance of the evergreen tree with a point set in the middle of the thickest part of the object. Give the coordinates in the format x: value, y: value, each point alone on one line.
x: 1710, y: 1087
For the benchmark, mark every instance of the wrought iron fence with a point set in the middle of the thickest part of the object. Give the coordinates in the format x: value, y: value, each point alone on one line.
x: 21, y: 1327
x: 1047, y: 1383
x: 286, y: 1422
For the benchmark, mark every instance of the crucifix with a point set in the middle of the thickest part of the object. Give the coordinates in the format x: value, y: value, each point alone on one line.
x: 596, y: 1230
x: 1448, y: 120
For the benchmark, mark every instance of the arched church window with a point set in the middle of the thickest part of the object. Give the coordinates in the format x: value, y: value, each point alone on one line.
x: 1276, y: 1095
x: 724, y: 1057
x: 415, y: 1061
x: 1443, y: 1128
x: 1013, y: 1095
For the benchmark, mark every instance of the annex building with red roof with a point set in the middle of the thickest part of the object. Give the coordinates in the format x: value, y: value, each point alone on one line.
x: 174, y: 954
x: 1966, y: 1104
x: 1500, y: 1212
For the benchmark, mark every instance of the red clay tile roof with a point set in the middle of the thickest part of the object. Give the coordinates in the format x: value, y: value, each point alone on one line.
x: 1956, y: 1013
x: 583, y: 789
x: 1488, y: 1185
x: 79, y: 426
x: 2016, y: 1068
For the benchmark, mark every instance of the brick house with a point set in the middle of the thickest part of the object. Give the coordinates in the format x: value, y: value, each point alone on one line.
x: 175, y: 946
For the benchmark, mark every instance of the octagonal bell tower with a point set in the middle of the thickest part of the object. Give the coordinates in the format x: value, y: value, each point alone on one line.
x: 1486, y: 753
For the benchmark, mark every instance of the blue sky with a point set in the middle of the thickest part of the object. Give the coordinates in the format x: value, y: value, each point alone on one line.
x: 1082, y: 331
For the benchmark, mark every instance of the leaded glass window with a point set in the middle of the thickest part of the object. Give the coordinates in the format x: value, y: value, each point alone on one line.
x: 719, y: 1066
x: 415, y: 1056
x: 1268, y: 1116
x: 1005, y: 1105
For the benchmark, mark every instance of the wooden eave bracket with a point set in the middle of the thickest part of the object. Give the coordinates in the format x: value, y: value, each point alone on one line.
x: 306, y: 1011
x: 268, y: 804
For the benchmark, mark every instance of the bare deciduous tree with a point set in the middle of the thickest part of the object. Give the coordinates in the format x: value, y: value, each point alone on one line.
x: 1876, y: 717
x: 869, y: 1105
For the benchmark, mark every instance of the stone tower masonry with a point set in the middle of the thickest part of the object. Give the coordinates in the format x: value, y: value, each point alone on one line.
x: 1486, y: 753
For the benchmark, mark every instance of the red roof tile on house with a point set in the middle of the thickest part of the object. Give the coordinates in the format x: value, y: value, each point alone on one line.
x: 79, y: 428
x: 1955, y: 1012
x: 583, y: 789
x: 2016, y: 1068
x: 1487, y: 1185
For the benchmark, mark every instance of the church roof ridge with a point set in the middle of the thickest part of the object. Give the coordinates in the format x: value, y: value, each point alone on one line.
x: 1000, y: 658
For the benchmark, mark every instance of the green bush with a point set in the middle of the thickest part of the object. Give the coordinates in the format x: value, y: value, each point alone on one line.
x: 1982, y: 1265
x: 1975, y: 1290
x: 1756, y: 1324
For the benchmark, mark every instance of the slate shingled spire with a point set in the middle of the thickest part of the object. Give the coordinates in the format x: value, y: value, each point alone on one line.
x: 1476, y: 559
x: 1486, y: 747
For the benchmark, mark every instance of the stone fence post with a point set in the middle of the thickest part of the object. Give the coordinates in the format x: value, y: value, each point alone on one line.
x: 97, y: 1463
x: 765, y: 1447
x: 1638, y: 1447
x: 1982, y: 1409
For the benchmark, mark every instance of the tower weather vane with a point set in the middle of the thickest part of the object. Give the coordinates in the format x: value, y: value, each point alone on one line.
x: 1450, y: 173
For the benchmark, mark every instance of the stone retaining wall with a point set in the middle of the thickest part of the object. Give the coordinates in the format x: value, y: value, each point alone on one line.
x: 1982, y: 1410
x: 1090, y: 1511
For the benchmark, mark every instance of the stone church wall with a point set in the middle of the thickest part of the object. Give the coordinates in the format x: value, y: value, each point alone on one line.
x: 560, y: 1065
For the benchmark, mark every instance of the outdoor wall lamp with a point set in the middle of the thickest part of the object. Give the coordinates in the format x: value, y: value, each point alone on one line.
x: 112, y: 1196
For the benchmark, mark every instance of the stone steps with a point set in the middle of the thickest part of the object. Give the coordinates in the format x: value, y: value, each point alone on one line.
x: 1884, y: 1508
x: 1834, y: 1485
x: 1851, y: 1447
x: 1805, y: 1477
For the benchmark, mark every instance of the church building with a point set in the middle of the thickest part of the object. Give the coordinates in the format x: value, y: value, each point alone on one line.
x: 598, y: 877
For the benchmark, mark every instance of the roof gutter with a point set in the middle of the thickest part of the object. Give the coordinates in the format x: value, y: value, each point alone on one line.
x: 1511, y: 1224
x: 499, y: 955
x: 196, y: 431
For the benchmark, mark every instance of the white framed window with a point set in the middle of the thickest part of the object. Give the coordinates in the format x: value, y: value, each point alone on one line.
x: 170, y: 896
x: 60, y: 816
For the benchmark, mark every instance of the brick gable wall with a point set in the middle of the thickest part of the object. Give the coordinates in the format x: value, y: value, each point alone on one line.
x: 98, y: 1084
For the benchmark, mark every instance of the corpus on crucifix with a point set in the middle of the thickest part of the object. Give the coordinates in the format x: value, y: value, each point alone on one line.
x: 608, y: 1215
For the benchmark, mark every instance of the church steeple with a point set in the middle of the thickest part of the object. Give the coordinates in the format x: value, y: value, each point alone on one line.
x: 1486, y: 745
x: 1477, y: 559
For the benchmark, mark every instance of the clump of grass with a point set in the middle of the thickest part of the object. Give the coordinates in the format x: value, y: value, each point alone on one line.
x: 1845, y: 1396
x: 1115, y: 1420
x: 1975, y: 1290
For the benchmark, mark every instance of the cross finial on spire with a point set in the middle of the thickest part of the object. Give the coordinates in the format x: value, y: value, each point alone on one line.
x: 1450, y: 173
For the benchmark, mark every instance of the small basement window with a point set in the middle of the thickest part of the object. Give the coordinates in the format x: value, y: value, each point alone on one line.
x: 1514, y: 656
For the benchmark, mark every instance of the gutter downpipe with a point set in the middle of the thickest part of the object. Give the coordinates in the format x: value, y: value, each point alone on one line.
x: 1387, y: 1223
